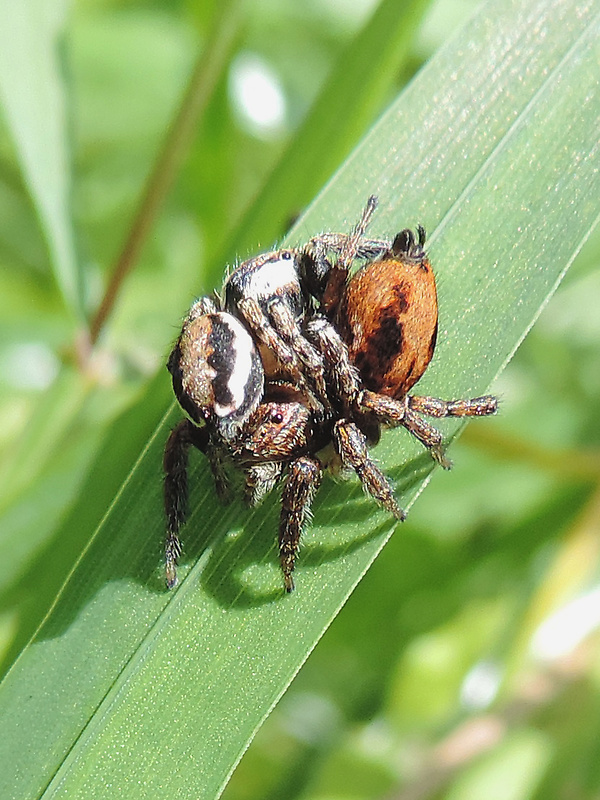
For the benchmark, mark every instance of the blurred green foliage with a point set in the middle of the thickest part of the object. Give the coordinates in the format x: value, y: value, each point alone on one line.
x: 438, y: 678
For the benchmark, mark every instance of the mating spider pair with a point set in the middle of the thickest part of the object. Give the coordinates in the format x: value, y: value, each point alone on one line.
x: 297, y: 368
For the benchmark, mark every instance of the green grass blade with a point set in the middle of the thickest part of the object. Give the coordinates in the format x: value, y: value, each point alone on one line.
x: 127, y: 689
x: 32, y: 92
x: 35, y: 568
x: 363, y: 77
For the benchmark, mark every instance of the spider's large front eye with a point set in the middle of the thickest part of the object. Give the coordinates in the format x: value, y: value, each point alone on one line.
x: 217, y: 371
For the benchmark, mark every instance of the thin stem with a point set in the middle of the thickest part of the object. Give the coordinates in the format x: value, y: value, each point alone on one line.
x: 207, y: 71
x: 572, y: 463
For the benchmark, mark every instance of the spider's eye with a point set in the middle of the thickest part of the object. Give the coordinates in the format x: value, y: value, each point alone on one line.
x: 287, y: 255
x: 277, y: 417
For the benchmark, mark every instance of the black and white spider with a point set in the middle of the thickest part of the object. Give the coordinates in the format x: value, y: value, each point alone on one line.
x: 301, y: 355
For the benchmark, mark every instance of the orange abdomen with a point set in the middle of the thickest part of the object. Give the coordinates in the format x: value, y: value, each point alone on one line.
x: 388, y: 318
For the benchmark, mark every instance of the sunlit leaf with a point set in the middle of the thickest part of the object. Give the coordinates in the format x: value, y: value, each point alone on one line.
x: 128, y: 689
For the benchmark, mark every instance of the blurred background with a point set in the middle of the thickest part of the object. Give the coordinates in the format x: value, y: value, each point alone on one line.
x: 467, y: 662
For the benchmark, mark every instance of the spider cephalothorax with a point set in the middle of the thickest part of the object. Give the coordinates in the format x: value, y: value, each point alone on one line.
x: 305, y: 354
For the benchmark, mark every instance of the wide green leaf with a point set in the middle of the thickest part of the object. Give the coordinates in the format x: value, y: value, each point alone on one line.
x: 129, y: 689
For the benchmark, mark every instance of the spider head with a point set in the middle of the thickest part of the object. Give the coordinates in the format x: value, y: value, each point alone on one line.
x: 268, y: 277
x: 277, y: 431
x: 217, y: 373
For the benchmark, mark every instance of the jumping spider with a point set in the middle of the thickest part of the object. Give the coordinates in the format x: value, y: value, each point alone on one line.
x: 301, y: 356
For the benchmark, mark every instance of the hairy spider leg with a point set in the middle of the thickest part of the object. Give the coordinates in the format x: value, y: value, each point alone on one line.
x: 473, y: 407
x: 285, y: 354
x: 303, y: 480
x: 349, y: 252
x: 351, y: 444
x: 340, y: 371
x: 407, y: 413
x: 175, y: 465
x: 286, y: 324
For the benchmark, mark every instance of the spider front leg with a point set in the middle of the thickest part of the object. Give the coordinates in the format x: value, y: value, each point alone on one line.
x: 269, y: 335
x: 397, y: 412
x: 429, y: 436
x: 304, y: 478
x: 285, y: 322
x: 338, y: 367
x: 351, y: 444
x: 175, y: 464
x: 216, y: 452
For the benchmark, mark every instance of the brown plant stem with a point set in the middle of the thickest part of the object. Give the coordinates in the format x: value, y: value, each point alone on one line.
x: 200, y: 89
x: 578, y: 464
